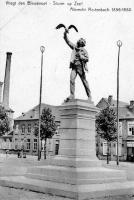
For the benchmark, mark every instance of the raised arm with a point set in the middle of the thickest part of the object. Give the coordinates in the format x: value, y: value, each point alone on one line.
x: 70, y: 44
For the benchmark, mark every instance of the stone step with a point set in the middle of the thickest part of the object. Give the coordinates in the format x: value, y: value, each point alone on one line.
x: 74, y: 161
x: 78, y: 192
x: 74, y: 181
x: 73, y: 175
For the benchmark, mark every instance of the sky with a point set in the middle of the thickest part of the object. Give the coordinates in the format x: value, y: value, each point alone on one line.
x: 23, y: 29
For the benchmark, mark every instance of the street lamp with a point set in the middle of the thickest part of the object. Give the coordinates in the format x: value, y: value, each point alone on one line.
x: 119, y: 44
x: 42, y: 49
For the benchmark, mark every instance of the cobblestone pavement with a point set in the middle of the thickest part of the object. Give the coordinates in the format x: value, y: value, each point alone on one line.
x: 17, y: 194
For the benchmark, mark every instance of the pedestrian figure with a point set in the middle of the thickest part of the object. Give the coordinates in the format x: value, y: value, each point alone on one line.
x: 19, y: 155
x: 6, y: 152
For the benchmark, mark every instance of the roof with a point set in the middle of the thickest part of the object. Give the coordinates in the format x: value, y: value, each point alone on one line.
x: 33, y: 114
x: 114, y: 102
x: 125, y: 112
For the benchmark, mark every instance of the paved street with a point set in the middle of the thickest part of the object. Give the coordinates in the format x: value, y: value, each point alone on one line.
x: 17, y: 194
x: 11, y: 165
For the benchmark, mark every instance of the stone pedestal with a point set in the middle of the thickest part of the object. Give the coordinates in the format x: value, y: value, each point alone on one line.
x: 78, y: 130
x: 77, y: 135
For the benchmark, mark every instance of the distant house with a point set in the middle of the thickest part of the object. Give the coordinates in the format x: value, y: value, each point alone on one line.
x: 126, y: 130
x: 6, y: 139
x: 24, y: 126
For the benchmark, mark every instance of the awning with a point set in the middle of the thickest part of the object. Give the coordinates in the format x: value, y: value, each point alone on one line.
x: 130, y: 144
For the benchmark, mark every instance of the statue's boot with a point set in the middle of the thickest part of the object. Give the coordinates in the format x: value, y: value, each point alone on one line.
x: 69, y: 98
x: 89, y: 98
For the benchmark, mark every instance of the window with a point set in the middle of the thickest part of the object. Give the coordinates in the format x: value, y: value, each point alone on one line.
x: 57, y: 130
x: 131, y: 128
x: 119, y: 148
x: 35, y: 144
x: 56, y: 147
x: 16, y: 129
x: 16, y: 143
x: 35, y: 126
x: 23, y: 128
x: 120, y: 128
x: 104, y: 148
x: 28, y: 144
x: 29, y: 128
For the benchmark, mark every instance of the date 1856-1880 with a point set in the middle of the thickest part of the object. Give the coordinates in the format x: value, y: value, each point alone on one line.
x: 121, y: 9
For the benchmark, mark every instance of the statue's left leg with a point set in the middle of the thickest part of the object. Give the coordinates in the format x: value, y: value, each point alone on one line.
x: 72, y: 85
x: 86, y: 85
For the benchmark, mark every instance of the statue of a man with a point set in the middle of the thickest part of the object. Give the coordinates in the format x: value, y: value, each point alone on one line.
x: 78, y: 64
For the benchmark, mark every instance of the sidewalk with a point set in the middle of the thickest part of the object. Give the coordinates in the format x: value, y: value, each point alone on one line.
x: 11, y: 165
x: 114, y: 163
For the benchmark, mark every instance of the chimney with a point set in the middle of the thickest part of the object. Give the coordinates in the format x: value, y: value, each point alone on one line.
x: 110, y: 98
x: 7, y: 81
x: 131, y: 103
x: 35, y: 112
x: 1, y: 83
x: 23, y: 114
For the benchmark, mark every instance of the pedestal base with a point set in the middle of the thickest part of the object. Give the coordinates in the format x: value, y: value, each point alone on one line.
x: 75, y: 172
x: 77, y: 165
x: 76, y: 176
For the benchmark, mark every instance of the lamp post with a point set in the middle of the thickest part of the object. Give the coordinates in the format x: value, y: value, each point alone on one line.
x: 119, y: 44
x: 42, y: 49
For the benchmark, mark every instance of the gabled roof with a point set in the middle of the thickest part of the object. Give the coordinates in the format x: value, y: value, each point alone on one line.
x: 33, y: 114
x: 125, y: 112
x: 114, y: 103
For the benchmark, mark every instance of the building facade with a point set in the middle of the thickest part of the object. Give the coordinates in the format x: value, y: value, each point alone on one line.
x: 126, y: 131
x: 24, y: 126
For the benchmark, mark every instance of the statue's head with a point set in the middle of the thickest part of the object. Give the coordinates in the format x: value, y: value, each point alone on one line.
x: 81, y: 42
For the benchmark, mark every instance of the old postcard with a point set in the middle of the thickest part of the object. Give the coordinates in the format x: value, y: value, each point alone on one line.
x: 76, y: 58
